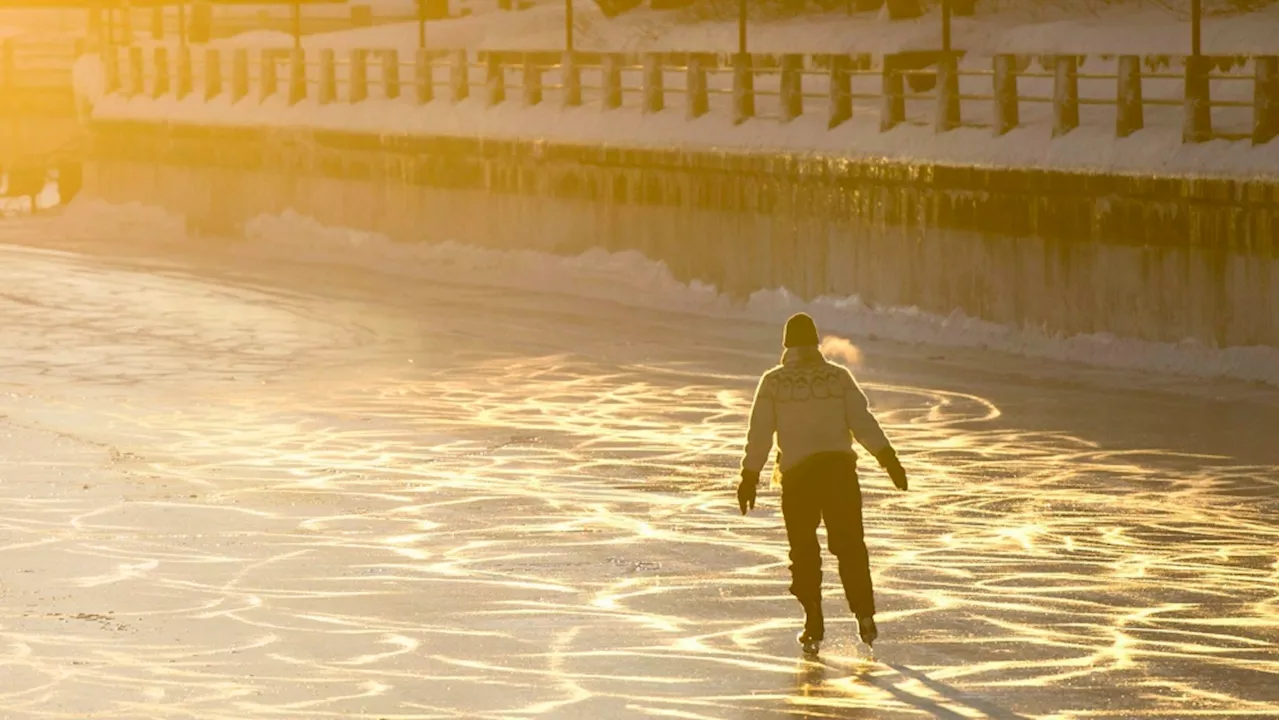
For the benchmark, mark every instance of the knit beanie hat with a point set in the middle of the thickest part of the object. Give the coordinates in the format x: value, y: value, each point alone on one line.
x: 800, y: 331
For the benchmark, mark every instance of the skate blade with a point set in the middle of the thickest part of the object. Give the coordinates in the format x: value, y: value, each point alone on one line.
x: 810, y: 649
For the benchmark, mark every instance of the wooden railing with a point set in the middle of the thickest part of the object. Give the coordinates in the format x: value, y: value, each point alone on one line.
x: 36, y: 77
x: 1211, y: 97
x: 37, y: 62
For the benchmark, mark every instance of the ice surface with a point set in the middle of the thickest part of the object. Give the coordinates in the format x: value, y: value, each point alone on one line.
x: 237, y: 485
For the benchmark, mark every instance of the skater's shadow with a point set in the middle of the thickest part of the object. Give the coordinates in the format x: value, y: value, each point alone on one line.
x: 940, y: 700
x: 953, y: 697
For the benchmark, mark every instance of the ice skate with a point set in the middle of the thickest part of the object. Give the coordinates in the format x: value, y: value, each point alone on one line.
x: 808, y: 646
x: 810, y: 638
x: 867, y: 630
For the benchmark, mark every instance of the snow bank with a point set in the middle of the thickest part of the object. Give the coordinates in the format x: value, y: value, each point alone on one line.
x: 629, y: 278
x: 88, y: 219
x: 1092, y: 147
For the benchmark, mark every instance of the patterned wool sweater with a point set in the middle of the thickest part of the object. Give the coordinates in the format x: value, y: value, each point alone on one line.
x: 813, y: 406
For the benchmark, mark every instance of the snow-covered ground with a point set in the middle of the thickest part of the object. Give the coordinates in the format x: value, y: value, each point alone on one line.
x: 250, y: 489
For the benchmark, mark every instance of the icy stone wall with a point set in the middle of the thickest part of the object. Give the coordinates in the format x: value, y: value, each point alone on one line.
x: 1147, y: 257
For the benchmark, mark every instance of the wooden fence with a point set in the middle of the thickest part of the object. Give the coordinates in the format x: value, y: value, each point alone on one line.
x: 36, y: 77
x: 1209, y: 97
x: 38, y: 62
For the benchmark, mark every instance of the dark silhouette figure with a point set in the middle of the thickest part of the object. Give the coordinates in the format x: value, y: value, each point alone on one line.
x: 814, y: 406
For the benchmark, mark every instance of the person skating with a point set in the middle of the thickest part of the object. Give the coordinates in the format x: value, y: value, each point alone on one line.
x: 814, y: 407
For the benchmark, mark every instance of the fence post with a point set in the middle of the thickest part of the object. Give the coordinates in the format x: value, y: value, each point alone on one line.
x: 1197, y: 123
x: 268, y: 78
x: 297, y: 76
x: 612, y: 81
x: 391, y: 74
x: 654, y: 96
x: 791, y: 86
x: 495, y: 80
x: 424, y: 77
x: 110, y: 67
x: 571, y: 79
x: 328, y: 90
x: 239, y: 74
x: 183, y: 61
x: 201, y: 22
x: 459, y: 76
x: 361, y: 15
x: 95, y: 30
x: 744, y: 93
x: 1129, y: 110
x: 840, y: 108
x: 696, y: 104
x: 137, y: 72
x: 359, y: 79
x: 161, y: 61
x: 212, y: 73
x: 1066, y: 95
x: 893, y: 108
x: 1264, y: 99
x: 947, y: 112
x: 1006, y: 93
x: 532, y: 72
x: 157, y: 22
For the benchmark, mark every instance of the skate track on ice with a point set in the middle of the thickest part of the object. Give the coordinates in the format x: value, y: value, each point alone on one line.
x: 233, y: 491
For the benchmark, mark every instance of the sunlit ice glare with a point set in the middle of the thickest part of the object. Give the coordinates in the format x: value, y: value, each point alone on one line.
x: 528, y: 519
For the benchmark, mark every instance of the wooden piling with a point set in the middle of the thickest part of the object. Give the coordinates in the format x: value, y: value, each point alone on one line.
x: 1066, y: 95
x: 1005, y: 92
x: 1129, y: 109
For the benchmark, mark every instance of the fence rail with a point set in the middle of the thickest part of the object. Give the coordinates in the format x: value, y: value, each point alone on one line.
x: 912, y: 88
x: 37, y: 63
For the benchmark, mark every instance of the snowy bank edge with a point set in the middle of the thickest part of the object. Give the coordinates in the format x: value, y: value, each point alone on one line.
x: 629, y: 278
x: 1153, y: 152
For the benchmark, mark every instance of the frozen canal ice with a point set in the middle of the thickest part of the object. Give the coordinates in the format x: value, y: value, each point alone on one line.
x: 233, y: 489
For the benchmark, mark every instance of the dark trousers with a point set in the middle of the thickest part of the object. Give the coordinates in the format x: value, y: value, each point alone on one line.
x: 824, y: 488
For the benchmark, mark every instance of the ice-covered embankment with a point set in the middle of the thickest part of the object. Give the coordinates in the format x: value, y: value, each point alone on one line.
x: 629, y: 278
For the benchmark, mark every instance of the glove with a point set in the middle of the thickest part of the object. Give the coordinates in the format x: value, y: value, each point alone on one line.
x: 889, y: 461
x: 747, y: 490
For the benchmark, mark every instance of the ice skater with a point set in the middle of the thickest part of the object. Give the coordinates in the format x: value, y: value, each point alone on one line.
x: 813, y: 406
